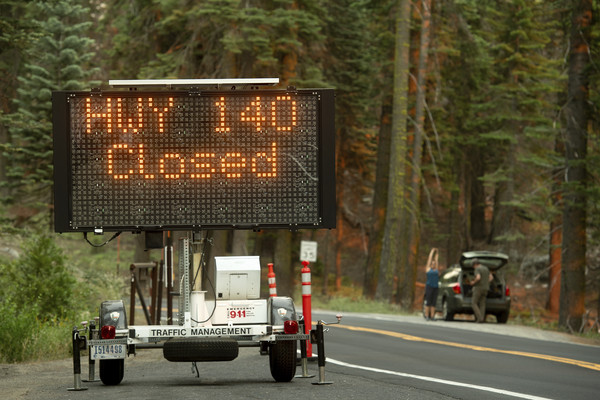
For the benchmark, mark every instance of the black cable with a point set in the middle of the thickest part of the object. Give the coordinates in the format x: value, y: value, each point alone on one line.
x: 202, y: 266
x: 103, y: 244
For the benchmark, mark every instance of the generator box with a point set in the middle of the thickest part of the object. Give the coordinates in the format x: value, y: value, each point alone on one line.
x: 237, y: 278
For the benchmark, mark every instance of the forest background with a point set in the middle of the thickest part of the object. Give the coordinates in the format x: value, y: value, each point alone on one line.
x: 460, y: 125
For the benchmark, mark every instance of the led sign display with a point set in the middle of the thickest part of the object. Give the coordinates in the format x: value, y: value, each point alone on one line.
x: 177, y: 159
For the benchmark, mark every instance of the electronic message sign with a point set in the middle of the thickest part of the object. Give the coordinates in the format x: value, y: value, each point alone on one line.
x: 190, y: 160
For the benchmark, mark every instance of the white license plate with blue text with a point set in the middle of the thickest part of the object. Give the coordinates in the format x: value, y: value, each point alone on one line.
x: 108, y: 351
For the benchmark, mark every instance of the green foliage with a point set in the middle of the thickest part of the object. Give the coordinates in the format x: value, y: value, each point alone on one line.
x: 24, y: 337
x: 501, y: 79
x: 38, y: 302
x: 213, y: 38
x: 20, y: 327
x: 593, y: 158
x: 58, y: 58
x: 40, y: 279
x: 49, y: 292
x: 350, y: 71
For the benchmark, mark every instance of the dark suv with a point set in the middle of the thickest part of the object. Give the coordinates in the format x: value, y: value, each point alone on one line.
x: 454, y: 296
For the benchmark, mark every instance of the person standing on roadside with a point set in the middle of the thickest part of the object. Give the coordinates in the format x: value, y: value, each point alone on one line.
x: 431, y: 286
x: 481, y: 285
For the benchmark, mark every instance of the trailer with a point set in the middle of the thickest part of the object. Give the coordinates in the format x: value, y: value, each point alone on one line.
x: 193, y: 155
x: 206, y: 330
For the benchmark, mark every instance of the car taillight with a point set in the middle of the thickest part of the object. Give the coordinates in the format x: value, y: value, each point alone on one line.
x: 108, y: 332
x: 456, y: 288
x: 290, y: 327
x: 507, y: 291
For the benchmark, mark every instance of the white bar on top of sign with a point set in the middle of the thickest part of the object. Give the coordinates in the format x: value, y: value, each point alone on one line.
x: 182, y: 82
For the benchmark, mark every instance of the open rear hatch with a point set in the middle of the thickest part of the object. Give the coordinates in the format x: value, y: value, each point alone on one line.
x: 493, y: 261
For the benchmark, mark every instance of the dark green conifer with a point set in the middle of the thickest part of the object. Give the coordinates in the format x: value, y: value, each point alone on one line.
x: 57, y: 60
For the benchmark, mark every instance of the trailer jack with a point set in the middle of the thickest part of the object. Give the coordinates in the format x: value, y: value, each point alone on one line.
x: 79, y: 343
x: 318, y: 338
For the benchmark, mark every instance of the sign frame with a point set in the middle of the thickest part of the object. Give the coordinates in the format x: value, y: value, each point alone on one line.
x: 63, y: 168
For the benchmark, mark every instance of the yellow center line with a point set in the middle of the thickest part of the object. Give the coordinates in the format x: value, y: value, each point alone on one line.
x: 411, y: 338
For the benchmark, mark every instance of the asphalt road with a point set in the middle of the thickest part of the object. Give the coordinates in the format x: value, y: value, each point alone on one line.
x: 466, y: 360
x: 382, y: 357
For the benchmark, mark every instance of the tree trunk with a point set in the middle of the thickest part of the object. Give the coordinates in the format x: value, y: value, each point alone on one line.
x: 477, y: 229
x: 239, y: 245
x: 502, y: 215
x: 572, y: 306
x: 283, y: 263
x: 456, y: 230
x: 408, y: 266
x: 503, y: 211
x: 554, y: 270
x: 290, y: 59
x: 141, y: 255
x: 339, y: 237
x: 379, y: 199
x: 389, y: 255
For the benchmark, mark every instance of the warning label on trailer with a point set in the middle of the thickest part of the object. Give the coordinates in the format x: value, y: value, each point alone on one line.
x: 201, y: 331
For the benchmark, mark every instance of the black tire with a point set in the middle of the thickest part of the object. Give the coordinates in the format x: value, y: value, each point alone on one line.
x: 282, y: 360
x: 200, y: 349
x: 112, y: 371
x: 502, y: 317
x: 447, y: 314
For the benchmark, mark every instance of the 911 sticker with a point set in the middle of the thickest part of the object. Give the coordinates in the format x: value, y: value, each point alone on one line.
x: 240, y: 312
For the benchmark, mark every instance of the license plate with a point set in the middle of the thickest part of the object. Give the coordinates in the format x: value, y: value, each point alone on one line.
x: 108, y: 351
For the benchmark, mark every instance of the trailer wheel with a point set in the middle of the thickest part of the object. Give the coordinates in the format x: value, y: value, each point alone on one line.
x: 112, y: 371
x: 282, y: 360
x: 200, y: 349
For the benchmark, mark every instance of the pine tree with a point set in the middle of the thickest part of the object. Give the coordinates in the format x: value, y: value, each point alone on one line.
x: 15, y: 37
x: 464, y: 68
x: 216, y: 39
x: 593, y: 190
x: 514, y: 112
x: 350, y: 71
x: 56, y: 60
x: 574, y: 246
x: 383, y: 32
x: 398, y: 151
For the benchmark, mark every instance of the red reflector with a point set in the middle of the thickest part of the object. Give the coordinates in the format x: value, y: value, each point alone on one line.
x: 456, y: 288
x: 290, y: 327
x: 108, y: 332
x: 507, y: 291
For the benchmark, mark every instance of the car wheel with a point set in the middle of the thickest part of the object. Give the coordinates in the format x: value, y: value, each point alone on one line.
x: 112, y: 371
x: 502, y: 317
x: 447, y: 314
x: 282, y: 360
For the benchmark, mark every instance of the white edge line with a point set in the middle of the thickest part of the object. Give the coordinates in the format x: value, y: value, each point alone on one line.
x: 437, y: 380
